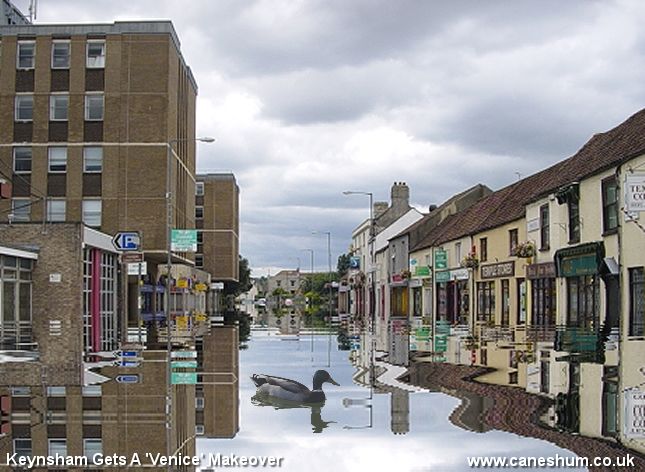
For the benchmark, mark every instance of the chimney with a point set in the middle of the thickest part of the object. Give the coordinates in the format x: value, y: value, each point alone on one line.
x: 400, y: 196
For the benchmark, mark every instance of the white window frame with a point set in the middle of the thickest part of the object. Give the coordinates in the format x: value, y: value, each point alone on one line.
x: 20, y: 97
x: 53, y: 98
x: 199, y: 260
x: 57, y: 153
x: 56, y: 210
x: 95, y: 158
x: 24, y: 207
x: 22, y: 454
x: 33, y: 57
x: 97, y: 62
x: 89, y: 215
x: 94, y: 450
x: 199, y: 189
x: 69, y: 52
x: 31, y: 160
x: 56, y: 391
x: 61, y: 447
x: 197, y: 208
x: 88, y: 98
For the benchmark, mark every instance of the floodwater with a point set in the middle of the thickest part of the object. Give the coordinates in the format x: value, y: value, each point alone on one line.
x: 389, y: 426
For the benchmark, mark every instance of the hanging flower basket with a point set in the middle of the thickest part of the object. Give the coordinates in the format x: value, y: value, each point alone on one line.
x: 525, y: 250
x: 471, y: 261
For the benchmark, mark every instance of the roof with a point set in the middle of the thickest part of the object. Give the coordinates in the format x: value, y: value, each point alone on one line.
x: 601, y: 152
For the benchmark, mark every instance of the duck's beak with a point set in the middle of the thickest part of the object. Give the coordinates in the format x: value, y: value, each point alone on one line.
x: 332, y: 381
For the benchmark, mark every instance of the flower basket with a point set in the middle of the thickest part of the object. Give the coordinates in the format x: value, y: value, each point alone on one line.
x: 525, y: 250
x: 471, y: 261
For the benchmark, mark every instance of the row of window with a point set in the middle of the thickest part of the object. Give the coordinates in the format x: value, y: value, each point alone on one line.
x: 22, y: 447
x: 61, y: 53
x: 59, y: 107
x: 57, y: 210
x: 57, y: 159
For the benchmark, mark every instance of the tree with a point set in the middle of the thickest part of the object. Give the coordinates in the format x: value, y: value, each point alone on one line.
x: 233, y: 289
x: 343, y: 264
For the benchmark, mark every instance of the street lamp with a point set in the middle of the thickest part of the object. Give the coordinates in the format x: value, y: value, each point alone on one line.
x: 169, y: 224
x: 328, y: 233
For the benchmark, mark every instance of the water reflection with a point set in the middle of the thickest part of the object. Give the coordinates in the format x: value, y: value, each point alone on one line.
x: 317, y: 423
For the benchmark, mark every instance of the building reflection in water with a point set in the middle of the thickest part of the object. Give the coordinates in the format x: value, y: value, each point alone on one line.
x: 122, y: 410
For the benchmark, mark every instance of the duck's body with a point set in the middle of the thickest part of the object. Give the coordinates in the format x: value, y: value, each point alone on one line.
x: 291, y: 390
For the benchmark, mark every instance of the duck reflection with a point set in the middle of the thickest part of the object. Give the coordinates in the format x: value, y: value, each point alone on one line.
x: 317, y: 423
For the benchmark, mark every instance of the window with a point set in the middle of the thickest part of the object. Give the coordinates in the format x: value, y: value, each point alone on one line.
x: 544, y: 227
x: 513, y: 240
x: 92, y: 447
x: 92, y: 391
x: 521, y: 301
x: 200, y: 237
x: 24, y: 107
x: 92, y: 159
x: 574, y: 221
x: 457, y: 253
x: 56, y: 391
x: 583, y: 302
x: 483, y: 249
x: 199, y: 212
x: 57, y: 159
x: 94, y: 107
x: 58, y: 105
x: 506, y: 302
x: 199, y: 260
x: 60, y: 54
x: 637, y: 301
x: 609, y: 204
x: 543, y: 296
x: 55, y: 210
x: 199, y: 188
x: 486, y: 301
x: 26, y: 54
x: 22, y: 447
x: 57, y: 447
x: 22, y: 160
x: 95, y: 54
x: 20, y: 209
x: 92, y: 212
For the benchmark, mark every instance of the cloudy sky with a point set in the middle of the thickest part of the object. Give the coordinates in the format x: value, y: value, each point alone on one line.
x: 308, y: 98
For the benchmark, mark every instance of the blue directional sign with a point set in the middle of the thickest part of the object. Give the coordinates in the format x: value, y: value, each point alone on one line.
x: 127, y: 241
x: 129, y: 354
x: 128, y: 379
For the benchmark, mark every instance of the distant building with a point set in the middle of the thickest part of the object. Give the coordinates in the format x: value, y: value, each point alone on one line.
x: 10, y: 15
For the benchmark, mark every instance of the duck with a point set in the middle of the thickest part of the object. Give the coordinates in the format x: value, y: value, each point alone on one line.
x: 290, y: 390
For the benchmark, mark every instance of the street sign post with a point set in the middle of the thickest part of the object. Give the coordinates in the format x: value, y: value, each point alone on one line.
x: 126, y: 241
x: 183, y: 240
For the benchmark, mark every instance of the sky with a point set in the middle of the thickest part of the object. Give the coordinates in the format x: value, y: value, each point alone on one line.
x: 309, y: 98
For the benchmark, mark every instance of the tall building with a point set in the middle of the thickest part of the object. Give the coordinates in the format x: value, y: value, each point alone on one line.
x: 217, y: 215
x: 10, y: 15
x: 89, y: 116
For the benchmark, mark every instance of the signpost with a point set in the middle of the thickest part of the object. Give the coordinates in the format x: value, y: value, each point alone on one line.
x: 126, y: 241
x: 183, y: 240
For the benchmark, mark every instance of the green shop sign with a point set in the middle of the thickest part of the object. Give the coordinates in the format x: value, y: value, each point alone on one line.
x: 443, y: 276
x: 440, y: 259
x: 581, y: 265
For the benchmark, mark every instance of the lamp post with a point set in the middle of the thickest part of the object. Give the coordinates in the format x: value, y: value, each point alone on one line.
x: 328, y: 233
x: 169, y: 224
x: 372, y: 295
x: 311, y: 316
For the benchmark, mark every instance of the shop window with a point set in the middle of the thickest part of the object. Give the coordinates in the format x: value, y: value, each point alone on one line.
x: 582, y: 302
x: 543, y: 296
x: 486, y: 301
x: 521, y: 301
x: 506, y: 302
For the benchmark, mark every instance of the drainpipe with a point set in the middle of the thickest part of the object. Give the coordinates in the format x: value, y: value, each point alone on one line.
x: 621, y: 323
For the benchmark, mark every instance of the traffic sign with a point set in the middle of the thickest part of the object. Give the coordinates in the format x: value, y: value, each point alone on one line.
x: 130, y: 363
x: 183, y: 364
x: 183, y: 378
x: 132, y: 257
x: 128, y: 354
x: 137, y: 268
x: 183, y: 240
x: 128, y: 379
x: 127, y: 241
x: 184, y: 354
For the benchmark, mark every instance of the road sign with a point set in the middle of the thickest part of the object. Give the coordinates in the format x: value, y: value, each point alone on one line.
x: 128, y: 379
x: 183, y: 364
x: 132, y: 257
x: 130, y: 363
x: 128, y: 354
x: 183, y: 240
x: 137, y: 268
x: 183, y: 354
x: 183, y: 378
x: 127, y: 241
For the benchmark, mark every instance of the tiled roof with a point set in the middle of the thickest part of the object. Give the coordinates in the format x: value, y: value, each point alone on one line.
x: 602, y: 151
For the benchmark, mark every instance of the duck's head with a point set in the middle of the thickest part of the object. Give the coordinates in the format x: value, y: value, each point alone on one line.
x: 322, y: 376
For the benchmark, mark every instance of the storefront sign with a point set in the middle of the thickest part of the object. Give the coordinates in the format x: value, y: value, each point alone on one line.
x: 440, y: 259
x: 422, y: 271
x: 635, y: 192
x: 581, y: 265
x: 634, y: 423
x: 459, y: 274
x: 443, y: 276
x: 502, y: 269
x: 545, y: 270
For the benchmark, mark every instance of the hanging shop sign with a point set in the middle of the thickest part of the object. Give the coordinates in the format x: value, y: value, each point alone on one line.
x: 545, y: 270
x: 501, y: 269
x: 440, y: 259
